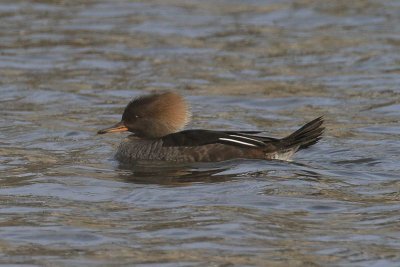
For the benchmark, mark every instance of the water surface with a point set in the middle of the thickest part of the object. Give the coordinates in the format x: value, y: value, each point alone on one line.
x: 68, y: 69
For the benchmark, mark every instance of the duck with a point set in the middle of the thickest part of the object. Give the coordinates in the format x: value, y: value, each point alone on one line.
x: 156, y: 122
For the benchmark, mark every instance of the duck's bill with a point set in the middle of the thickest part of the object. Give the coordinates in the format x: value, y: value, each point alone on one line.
x: 119, y: 127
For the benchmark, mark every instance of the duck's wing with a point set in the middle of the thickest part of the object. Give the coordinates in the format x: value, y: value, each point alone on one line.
x: 303, y: 138
x: 205, y: 137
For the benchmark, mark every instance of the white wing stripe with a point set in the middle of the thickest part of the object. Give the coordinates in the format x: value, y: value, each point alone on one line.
x: 236, y: 141
x: 248, y: 138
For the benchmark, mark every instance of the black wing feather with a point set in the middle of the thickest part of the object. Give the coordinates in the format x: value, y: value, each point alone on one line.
x: 205, y: 137
x: 304, y: 137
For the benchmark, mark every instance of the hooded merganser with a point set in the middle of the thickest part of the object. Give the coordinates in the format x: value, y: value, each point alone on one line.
x: 156, y: 122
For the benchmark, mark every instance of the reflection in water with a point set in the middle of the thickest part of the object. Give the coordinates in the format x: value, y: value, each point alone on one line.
x: 174, y: 174
x: 150, y: 173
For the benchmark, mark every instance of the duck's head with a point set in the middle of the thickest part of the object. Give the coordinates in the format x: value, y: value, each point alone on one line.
x: 153, y: 116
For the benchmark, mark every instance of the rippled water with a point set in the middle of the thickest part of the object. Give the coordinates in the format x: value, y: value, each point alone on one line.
x: 68, y: 68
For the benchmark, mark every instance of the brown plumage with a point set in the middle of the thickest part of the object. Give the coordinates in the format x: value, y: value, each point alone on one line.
x: 156, y: 120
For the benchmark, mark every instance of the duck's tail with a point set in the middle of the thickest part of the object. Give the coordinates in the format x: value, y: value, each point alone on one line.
x: 306, y: 136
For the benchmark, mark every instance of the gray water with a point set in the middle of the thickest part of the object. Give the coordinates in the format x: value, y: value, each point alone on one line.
x: 68, y: 68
